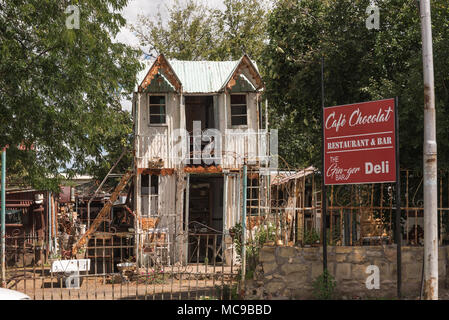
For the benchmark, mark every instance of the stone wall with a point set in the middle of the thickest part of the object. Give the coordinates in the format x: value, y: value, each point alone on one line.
x: 289, y: 272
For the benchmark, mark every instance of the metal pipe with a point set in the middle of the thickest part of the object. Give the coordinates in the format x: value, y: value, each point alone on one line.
x: 430, y: 161
x: 99, y: 187
x: 187, y: 219
x: 136, y: 195
x: 3, y: 214
x: 266, y: 115
x: 55, y: 230
x: 398, y: 205
x: 244, y: 225
x: 324, y: 191
x: 49, y: 222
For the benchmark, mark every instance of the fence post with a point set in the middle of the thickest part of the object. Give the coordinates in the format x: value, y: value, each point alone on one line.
x: 244, y: 225
x: 3, y: 213
x: 398, y: 205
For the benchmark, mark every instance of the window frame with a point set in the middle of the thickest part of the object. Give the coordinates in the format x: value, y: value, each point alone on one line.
x: 239, y: 105
x: 20, y: 213
x: 157, y: 114
x: 153, y: 193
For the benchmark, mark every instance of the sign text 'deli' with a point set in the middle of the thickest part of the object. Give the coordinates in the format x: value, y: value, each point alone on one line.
x: 360, y: 144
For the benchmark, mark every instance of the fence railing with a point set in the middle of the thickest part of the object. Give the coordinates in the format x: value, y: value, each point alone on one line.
x: 228, y: 150
x: 356, y: 215
x: 107, y: 271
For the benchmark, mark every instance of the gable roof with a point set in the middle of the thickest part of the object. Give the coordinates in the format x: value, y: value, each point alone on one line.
x: 204, y: 76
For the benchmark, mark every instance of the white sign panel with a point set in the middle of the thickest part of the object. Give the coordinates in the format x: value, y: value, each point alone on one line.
x: 70, y: 265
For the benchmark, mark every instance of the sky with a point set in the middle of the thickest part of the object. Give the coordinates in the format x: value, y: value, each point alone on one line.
x: 148, y: 7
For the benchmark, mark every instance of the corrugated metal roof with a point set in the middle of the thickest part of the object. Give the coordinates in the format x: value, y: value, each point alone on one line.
x: 202, y: 76
x: 198, y: 76
x: 284, y: 177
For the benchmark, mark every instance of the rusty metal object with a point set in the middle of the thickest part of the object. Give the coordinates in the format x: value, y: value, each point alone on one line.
x: 102, y: 214
x: 245, y: 63
x: 161, y: 63
x: 203, y: 169
x: 153, y: 171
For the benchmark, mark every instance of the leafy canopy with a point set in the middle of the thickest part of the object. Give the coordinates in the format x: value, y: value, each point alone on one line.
x: 195, y: 31
x: 60, y: 88
x: 360, y: 65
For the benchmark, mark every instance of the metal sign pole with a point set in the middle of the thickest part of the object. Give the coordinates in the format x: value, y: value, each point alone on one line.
x: 323, y: 186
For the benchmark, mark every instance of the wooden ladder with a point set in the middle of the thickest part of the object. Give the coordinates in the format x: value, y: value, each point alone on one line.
x: 104, y: 211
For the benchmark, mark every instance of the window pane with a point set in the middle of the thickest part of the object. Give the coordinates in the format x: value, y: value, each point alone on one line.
x: 238, y: 110
x: 154, y: 185
x: 157, y: 99
x: 144, y: 184
x: 238, y: 120
x: 13, y: 216
x: 238, y: 99
x: 157, y: 110
x: 157, y: 119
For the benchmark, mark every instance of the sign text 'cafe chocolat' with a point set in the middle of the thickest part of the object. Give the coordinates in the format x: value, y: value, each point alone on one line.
x: 359, y: 143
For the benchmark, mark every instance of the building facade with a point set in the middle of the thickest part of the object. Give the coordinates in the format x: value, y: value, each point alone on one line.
x: 196, y: 123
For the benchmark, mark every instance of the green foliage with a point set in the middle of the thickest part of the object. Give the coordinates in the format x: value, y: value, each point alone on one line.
x: 196, y: 32
x: 311, y: 236
x: 262, y: 236
x: 61, y: 89
x: 227, y: 292
x: 324, y: 286
x: 360, y: 65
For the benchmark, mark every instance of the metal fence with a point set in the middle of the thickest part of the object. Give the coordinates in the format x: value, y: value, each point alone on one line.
x: 356, y: 214
x: 111, y: 273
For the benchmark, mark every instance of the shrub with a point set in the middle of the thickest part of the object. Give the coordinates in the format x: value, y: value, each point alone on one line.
x: 324, y: 286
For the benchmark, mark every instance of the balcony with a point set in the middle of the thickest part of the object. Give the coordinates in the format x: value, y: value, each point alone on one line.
x: 211, y: 148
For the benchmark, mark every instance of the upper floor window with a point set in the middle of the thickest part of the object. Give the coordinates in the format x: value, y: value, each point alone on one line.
x: 157, y: 110
x: 238, y: 110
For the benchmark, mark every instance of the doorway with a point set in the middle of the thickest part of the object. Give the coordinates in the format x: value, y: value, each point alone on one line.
x: 205, y: 221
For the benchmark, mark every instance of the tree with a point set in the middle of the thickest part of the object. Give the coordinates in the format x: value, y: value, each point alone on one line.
x: 60, y: 88
x: 196, y: 32
x: 360, y: 65
x: 240, y: 28
x: 187, y: 35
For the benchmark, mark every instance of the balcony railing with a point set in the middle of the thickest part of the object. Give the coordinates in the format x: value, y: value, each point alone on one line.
x: 228, y: 150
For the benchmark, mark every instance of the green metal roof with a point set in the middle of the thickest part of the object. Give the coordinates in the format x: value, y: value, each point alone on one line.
x: 202, y: 76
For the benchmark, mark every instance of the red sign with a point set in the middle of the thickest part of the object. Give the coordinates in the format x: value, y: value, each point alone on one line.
x: 359, y: 143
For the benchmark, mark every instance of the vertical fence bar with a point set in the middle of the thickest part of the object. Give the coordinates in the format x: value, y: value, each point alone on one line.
x: 244, y: 225
x: 441, y: 207
x: 3, y: 215
x: 398, y: 204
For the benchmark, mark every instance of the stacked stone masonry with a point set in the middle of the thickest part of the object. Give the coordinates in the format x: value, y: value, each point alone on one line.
x: 289, y: 272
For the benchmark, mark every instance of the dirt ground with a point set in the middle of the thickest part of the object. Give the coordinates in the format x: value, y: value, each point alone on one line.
x: 191, y: 282
x: 188, y: 283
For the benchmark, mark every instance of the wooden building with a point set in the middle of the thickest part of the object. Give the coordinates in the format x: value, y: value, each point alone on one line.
x: 195, y: 124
